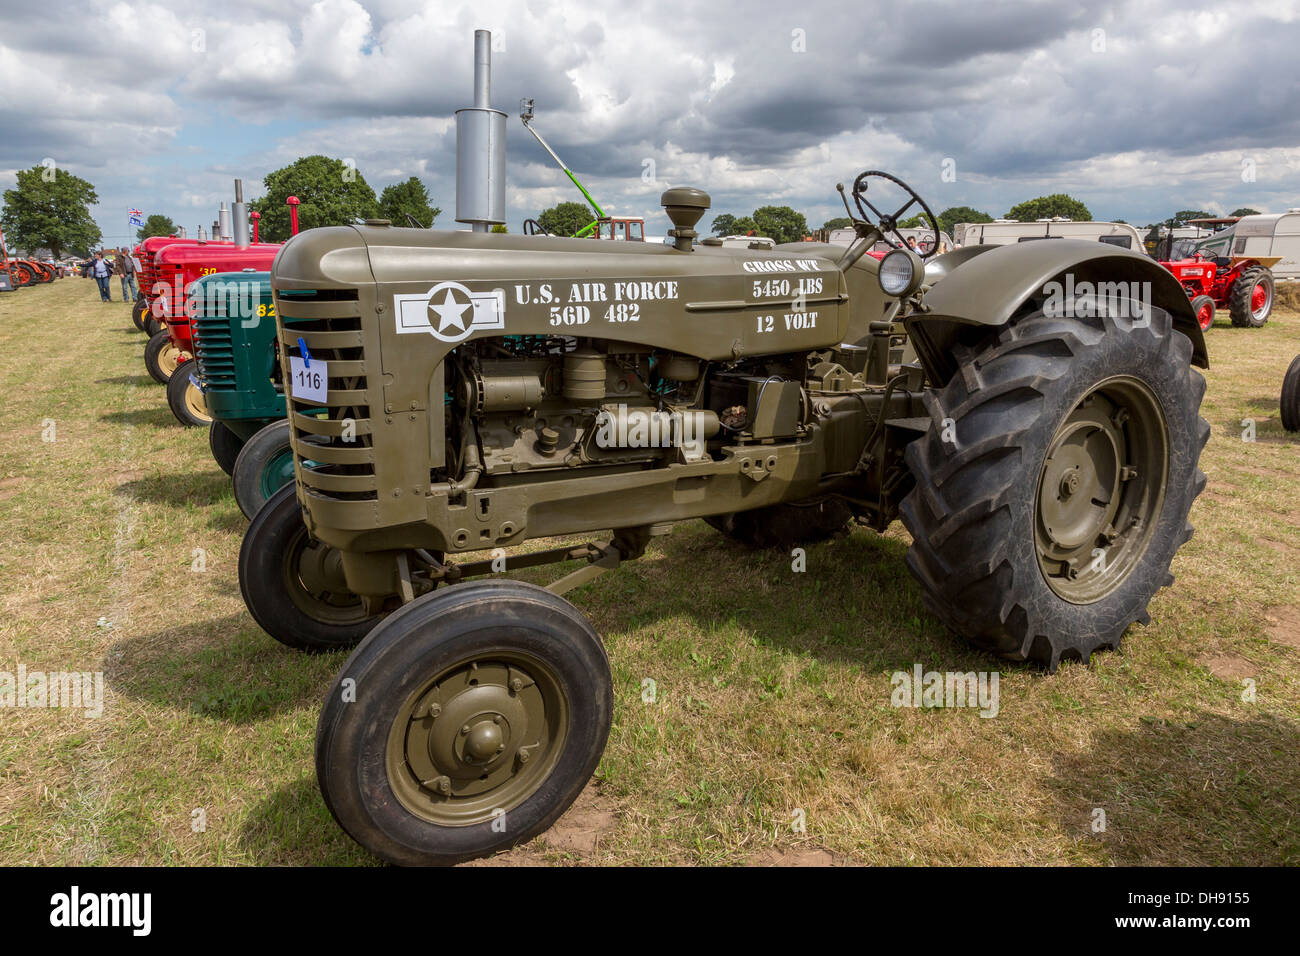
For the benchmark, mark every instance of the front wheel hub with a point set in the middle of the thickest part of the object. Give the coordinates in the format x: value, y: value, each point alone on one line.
x: 462, y: 750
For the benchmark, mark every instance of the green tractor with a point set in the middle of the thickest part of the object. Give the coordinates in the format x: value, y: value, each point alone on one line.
x: 1030, y: 412
x: 232, y: 319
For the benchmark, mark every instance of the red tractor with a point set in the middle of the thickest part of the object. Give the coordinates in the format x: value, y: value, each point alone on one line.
x: 146, y: 272
x: 1241, y: 284
x: 176, y: 268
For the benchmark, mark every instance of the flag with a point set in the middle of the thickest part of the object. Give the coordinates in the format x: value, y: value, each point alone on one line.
x: 136, y: 217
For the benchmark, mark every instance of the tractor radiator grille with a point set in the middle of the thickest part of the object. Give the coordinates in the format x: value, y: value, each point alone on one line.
x: 333, y: 444
x: 213, y: 350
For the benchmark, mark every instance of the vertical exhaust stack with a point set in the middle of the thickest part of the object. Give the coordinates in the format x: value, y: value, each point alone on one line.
x: 239, y: 216
x: 223, y: 222
x: 481, y: 148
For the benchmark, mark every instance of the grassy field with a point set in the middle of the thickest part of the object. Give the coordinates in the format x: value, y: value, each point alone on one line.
x: 772, y: 706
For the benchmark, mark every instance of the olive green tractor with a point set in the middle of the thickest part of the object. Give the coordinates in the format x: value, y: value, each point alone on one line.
x: 1029, y: 411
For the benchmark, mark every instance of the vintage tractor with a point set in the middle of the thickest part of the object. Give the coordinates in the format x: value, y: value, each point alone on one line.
x: 178, y: 268
x: 236, y: 363
x: 1241, y: 284
x: 147, y: 289
x: 459, y: 392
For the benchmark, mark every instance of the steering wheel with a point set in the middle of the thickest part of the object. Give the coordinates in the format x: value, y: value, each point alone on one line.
x: 534, y: 228
x: 888, y: 224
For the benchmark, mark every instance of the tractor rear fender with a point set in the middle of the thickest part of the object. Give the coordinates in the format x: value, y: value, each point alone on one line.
x: 991, y: 285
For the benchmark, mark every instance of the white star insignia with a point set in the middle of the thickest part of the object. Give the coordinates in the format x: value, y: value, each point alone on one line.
x: 451, y: 313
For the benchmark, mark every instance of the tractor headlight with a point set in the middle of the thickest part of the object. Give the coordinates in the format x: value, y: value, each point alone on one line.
x: 900, y: 273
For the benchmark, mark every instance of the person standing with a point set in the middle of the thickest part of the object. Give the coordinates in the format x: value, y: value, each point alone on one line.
x: 100, y: 271
x: 126, y: 270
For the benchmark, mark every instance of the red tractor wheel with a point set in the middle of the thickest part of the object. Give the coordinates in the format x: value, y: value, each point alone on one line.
x: 1251, y: 299
x: 22, y: 274
x: 1203, y: 306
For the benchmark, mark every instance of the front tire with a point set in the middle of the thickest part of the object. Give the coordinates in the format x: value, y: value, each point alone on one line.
x: 225, y: 446
x: 264, y: 466
x: 138, y: 313
x: 1203, y: 306
x: 161, y: 357
x: 480, y: 712
x: 293, y: 586
x: 1045, y: 529
x: 185, y: 398
x: 1290, y: 401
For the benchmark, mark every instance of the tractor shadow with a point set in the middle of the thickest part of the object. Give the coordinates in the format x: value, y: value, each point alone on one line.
x: 291, y: 826
x: 140, y: 381
x: 201, y: 489
x: 855, y: 603
x: 222, y: 669
x: 1209, y: 791
x: 160, y: 417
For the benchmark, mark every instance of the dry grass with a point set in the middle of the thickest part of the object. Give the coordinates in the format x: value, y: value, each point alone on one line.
x: 773, y: 690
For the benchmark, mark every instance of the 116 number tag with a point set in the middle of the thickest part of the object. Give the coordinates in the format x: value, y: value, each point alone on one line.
x: 309, y: 384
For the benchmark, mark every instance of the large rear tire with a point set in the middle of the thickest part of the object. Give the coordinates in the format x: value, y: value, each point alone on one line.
x: 293, y: 586
x: 1045, y: 528
x: 465, y: 723
x: 1251, y: 300
x: 1290, y: 402
x: 264, y: 466
x: 185, y: 398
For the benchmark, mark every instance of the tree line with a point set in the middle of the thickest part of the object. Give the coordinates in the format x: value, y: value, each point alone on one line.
x: 49, y: 208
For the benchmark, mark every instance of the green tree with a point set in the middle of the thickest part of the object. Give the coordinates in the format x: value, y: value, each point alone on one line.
x: 330, y: 193
x: 744, y: 226
x: 156, y: 225
x: 950, y: 217
x: 1181, y: 217
x: 1244, y: 211
x: 1049, y: 207
x: 499, y: 227
x: 566, y: 218
x: 780, y: 223
x: 50, y: 208
x: 724, y: 225
x: 410, y: 198
x: 914, y: 222
x: 839, y: 222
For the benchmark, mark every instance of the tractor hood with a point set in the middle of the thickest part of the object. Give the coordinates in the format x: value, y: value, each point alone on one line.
x: 431, y: 289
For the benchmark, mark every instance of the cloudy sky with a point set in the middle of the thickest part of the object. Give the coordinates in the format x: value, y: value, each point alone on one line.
x: 1139, y: 108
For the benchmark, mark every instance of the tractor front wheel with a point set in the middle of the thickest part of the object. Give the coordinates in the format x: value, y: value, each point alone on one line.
x: 225, y: 446
x: 1203, y: 306
x: 1046, y: 516
x: 264, y: 466
x: 293, y: 586
x: 185, y: 398
x: 465, y: 723
x: 138, y: 313
x: 1290, y: 403
x: 161, y: 357
x: 1251, y: 299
